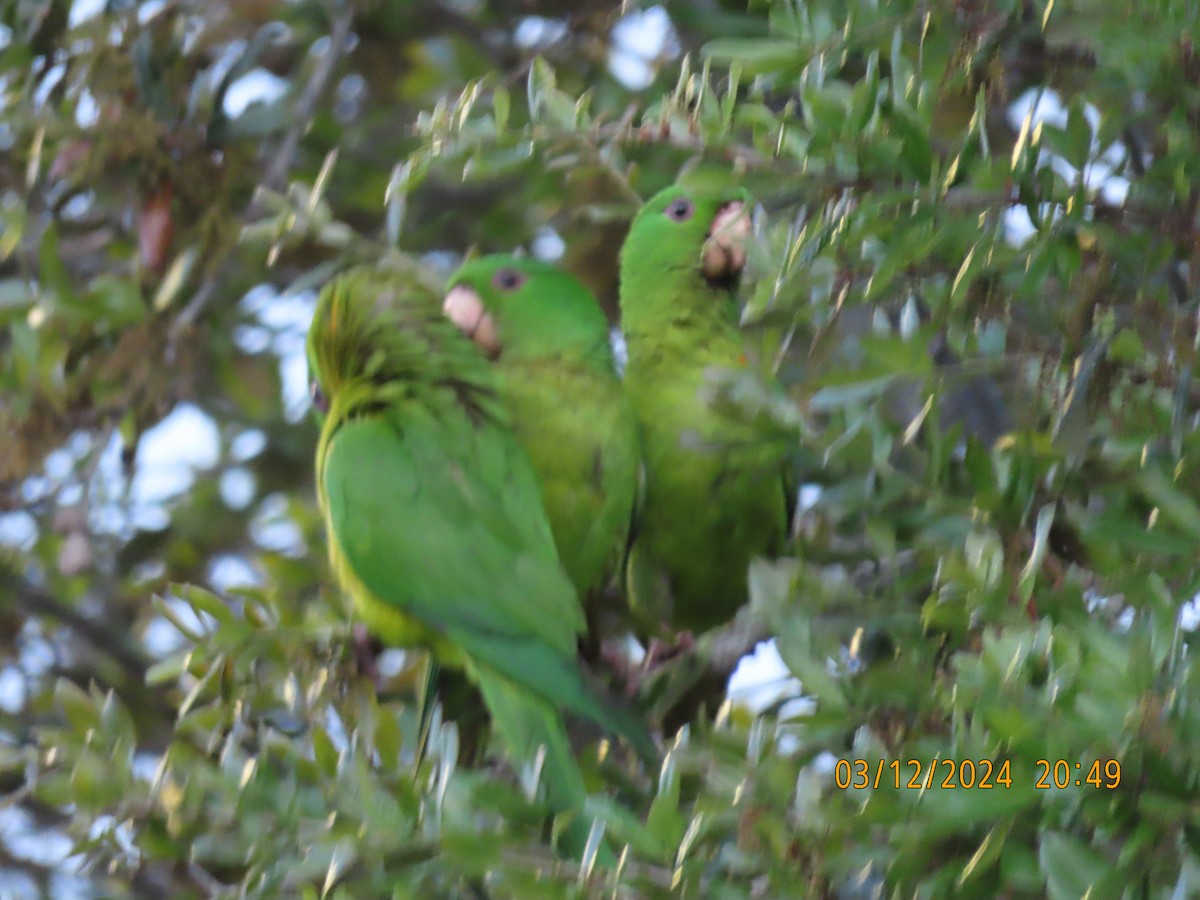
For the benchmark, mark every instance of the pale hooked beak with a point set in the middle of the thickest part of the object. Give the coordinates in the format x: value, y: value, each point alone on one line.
x: 725, y: 249
x: 463, y: 307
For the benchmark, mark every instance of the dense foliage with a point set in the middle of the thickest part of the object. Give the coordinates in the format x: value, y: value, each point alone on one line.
x: 973, y: 267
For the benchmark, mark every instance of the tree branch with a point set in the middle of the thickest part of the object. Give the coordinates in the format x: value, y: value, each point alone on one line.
x: 33, y: 601
x: 306, y: 105
x: 276, y: 174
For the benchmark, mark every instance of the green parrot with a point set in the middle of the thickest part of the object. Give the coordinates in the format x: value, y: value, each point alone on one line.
x: 549, y: 342
x: 435, y: 524
x: 715, y: 485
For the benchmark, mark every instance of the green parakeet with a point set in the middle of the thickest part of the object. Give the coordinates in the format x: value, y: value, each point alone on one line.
x: 550, y: 347
x: 435, y: 523
x: 715, y: 486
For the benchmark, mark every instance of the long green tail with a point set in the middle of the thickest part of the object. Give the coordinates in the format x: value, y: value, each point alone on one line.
x: 527, y: 722
x: 567, y: 689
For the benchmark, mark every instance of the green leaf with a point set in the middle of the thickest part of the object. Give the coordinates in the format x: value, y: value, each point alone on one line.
x: 1173, y: 503
x: 1072, y: 868
x: 1041, y: 535
x: 1078, y: 144
x: 203, y: 601
x: 13, y: 217
x: 15, y: 297
x: 52, y: 274
x: 540, y: 82
x: 259, y: 120
x: 168, y: 669
x: 324, y: 752
x: 388, y: 738
x: 119, y: 298
x: 839, y: 396
x: 501, y: 102
x: 664, y: 821
x: 622, y: 827
x: 755, y: 56
x: 254, y: 48
x: 77, y: 705
x: 174, y: 280
x: 973, y: 263
x: 214, y: 670
x: 1128, y: 534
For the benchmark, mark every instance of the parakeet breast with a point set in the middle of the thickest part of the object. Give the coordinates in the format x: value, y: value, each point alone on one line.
x: 715, y: 495
x: 579, y: 430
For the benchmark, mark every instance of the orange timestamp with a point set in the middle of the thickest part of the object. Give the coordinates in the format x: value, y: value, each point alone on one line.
x: 981, y: 774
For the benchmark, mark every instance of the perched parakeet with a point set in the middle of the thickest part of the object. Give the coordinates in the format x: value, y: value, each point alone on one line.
x: 435, y: 523
x: 715, y: 486
x: 549, y: 342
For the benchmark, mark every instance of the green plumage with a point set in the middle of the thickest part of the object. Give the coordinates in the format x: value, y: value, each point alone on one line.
x: 435, y: 523
x: 715, y: 489
x: 558, y: 380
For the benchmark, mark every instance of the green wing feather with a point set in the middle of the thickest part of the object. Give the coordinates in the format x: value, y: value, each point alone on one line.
x: 446, y: 556
x: 432, y: 533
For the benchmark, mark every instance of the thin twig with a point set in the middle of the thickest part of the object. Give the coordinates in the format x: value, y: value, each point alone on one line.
x: 188, y: 315
x: 306, y: 105
x: 724, y: 647
x: 276, y: 175
x: 34, y: 601
x: 530, y: 856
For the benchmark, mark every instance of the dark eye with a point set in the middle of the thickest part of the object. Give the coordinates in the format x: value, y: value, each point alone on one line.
x: 680, y: 210
x: 319, y: 400
x: 508, y: 279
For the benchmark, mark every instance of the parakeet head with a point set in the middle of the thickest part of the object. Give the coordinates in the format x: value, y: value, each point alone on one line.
x: 374, y: 330
x: 690, y: 230
x: 517, y: 308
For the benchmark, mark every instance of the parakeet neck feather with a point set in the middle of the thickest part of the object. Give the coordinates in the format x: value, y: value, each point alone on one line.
x: 674, y: 313
x: 567, y: 341
x: 379, y: 341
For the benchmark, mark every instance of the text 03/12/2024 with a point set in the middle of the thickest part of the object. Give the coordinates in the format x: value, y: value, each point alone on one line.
x: 982, y: 774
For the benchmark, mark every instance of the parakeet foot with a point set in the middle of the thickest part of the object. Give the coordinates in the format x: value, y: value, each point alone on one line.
x: 366, y: 648
x: 660, y: 651
x: 626, y: 673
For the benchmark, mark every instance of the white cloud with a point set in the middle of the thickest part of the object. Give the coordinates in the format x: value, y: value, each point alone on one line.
x: 256, y: 86
x: 82, y: 10
x: 548, y: 245
x: 285, y: 318
x: 170, y: 453
x: 293, y: 372
x: 640, y: 39
x: 273, y: 529
x: 619, y: 348
x: 228, y: 571
x: 12, y: 689
x: 1042, y: 106
x: 536, y: 31
x: 18, y: 529
x: 762, y: 679
x: 237, y: 487
x: 1189, y: 614
x: 247, y: 445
